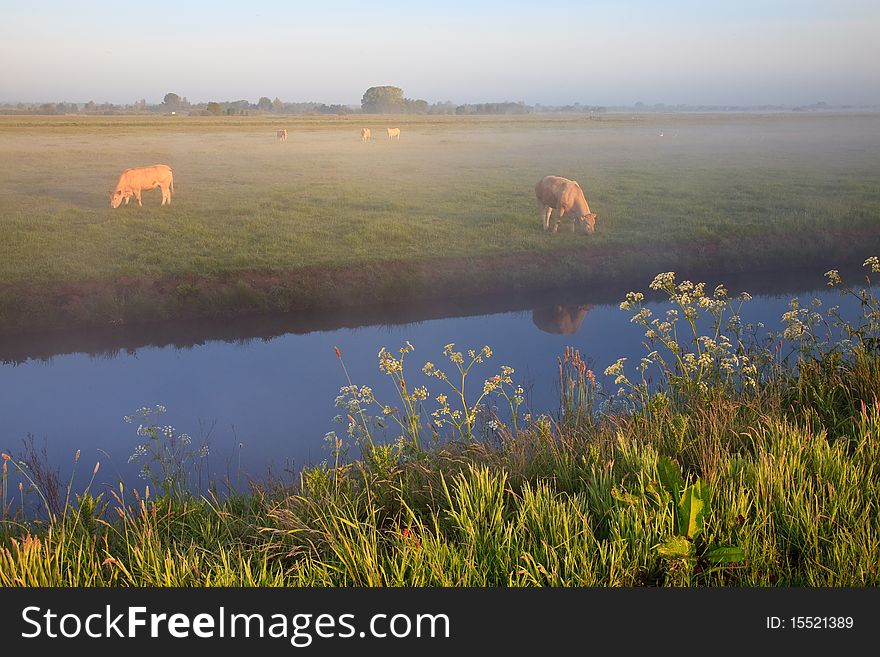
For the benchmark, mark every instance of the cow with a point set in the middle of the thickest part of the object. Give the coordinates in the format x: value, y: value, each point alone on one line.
x: 394, y: 132
x: 560, y: 319
x: 282, y: 134
x: 365, y: 134
x: 564, y: 196
x: 138, y: 179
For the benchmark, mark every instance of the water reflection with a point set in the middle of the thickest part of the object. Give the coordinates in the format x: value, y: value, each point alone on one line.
x: 560, y: 319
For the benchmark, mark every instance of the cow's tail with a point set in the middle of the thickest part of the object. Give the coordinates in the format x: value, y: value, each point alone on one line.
x: 171, y: 186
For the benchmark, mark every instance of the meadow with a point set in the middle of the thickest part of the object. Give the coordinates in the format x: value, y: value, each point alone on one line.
x: 324, y: 220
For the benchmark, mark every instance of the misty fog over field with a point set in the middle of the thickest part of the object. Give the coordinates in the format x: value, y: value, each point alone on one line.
x: 455, y: 186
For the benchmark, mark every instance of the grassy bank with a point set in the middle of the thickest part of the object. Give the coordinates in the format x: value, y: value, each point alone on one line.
x: 717, y: 463
x: 324, y: 220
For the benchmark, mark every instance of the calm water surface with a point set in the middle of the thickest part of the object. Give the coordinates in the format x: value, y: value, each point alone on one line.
x: 262, y: 395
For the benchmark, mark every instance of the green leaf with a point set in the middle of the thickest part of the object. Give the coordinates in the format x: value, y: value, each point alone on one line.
x: 692, y: 509
x: 659, y: 493
x: 725, y: 554
x: 676, y: 547
x: 624, y: 496
x: 670, y: 475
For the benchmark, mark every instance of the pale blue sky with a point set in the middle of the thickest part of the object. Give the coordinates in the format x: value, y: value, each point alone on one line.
x: 601, y: 52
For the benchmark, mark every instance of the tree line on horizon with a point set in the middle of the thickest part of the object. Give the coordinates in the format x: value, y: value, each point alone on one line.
x: 376, y: 100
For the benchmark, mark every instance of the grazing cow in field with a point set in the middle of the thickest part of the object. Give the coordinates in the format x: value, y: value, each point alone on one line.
x: 564, y: 196
x: 136, y: 180
x: 394, y: 132
x: 282, y: 135
x: 560, y: 319
x: 365, y: 134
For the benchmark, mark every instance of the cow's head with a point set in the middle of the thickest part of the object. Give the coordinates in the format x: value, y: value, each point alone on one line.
x: 588, y: 221
x: 117, y: 197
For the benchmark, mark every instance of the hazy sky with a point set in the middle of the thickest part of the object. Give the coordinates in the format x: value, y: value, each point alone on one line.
x: 602, y: 52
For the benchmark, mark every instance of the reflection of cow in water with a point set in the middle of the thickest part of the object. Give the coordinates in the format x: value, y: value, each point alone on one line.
x: 560, y: 320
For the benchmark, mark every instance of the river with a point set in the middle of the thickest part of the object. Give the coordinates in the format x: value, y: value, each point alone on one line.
x: 259, y: 392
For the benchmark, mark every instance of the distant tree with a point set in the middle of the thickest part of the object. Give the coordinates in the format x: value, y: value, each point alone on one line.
x: 416, y: 106
x: 277, y: 105
x: 215, y: 108
x: 171, y: 102
x: 264, y: 104
x: 90, y: 106
x: 383, y: 100
x: 447, y: 107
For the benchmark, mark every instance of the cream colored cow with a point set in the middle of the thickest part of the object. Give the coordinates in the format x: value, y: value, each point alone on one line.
x: 282, y: 134
x: 366, y: 135
x: 564, y: 196
x: 136, y: 180
x: 394, y: 132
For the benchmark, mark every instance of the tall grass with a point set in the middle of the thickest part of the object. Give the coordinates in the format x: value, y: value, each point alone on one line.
x: 766, y: 475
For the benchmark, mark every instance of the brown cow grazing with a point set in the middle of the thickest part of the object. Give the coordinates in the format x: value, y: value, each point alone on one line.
x: 564, y: 196
x: 282, y: 134
x: 366, y: 135
x: 134, y: 181
x: 394, y: 132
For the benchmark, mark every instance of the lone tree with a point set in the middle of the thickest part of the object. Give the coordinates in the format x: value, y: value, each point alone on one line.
x: 383, y: 100
x: 171, y: 101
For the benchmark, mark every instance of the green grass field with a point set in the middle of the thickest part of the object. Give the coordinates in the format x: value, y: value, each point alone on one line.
x: 256, y: 224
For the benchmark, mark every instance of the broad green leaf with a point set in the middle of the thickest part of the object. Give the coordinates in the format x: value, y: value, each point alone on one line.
x: 676, y: 547
x: 692, y: 509
x: 670, y: 475
x: 725, y: 554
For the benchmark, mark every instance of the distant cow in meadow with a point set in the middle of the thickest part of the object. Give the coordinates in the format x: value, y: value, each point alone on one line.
x: 138, y: 179
x: 394, y: 132
x: 282, y: 135
x: 566, y: 197
x: 365, y: 134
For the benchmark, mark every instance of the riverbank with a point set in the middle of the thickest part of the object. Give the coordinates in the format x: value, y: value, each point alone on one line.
x: 602, y: 273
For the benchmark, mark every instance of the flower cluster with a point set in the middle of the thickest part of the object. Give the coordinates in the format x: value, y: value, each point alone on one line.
x: 695, y: 344
x: 453, y: 408
x: 169, y: 460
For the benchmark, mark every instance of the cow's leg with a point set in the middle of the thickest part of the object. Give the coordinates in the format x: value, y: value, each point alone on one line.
x: 137, y: 195
x: 546, y: 211
x: 559, y: 213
